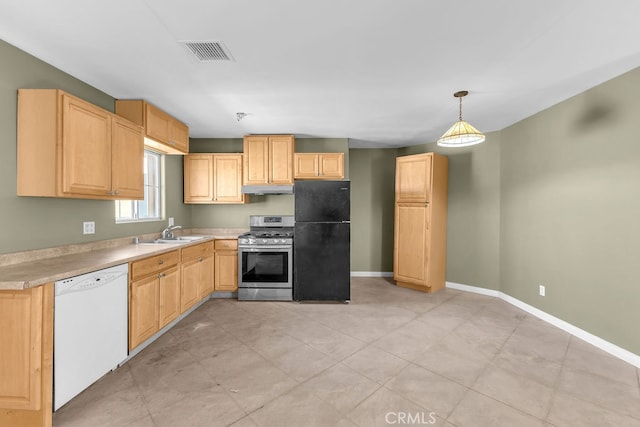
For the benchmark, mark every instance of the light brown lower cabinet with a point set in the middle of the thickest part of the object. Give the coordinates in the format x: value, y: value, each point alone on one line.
x: 154, y: 297
x: 197, y: 274
x: 226, y: 265
x: 168, y: 296
x: 412, y: 255
x: 26, y: 357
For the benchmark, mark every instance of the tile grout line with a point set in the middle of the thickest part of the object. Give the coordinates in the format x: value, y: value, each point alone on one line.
x: 593, y: 374
x: 554, y: 390
x: 144, y: 401
x: 470, y: 388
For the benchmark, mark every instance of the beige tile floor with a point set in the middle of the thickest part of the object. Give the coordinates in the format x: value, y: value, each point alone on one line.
x: 391, y: 357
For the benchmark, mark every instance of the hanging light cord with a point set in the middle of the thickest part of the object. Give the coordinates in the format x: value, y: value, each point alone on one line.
x: 460, y: 112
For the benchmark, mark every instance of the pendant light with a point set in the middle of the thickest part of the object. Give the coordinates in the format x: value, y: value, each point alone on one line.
x: 461, y: 134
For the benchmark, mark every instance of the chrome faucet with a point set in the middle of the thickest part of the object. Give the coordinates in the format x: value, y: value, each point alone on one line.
x: 167, y: 233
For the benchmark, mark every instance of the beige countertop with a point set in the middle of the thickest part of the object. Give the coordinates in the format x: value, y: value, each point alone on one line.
x: 36, y: 268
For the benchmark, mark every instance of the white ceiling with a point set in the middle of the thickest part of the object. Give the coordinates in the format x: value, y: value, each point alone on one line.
x: 379, y: 72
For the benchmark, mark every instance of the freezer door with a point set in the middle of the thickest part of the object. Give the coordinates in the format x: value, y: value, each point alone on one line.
x: 322, y: 201
x: 321, y: 259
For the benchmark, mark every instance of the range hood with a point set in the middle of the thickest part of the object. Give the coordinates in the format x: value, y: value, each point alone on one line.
x: 267, y: 189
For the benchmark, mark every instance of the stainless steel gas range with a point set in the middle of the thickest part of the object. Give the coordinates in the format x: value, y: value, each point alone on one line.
x: 265, y: 259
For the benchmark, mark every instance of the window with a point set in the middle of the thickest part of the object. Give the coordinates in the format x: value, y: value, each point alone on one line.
x: 149, y: 209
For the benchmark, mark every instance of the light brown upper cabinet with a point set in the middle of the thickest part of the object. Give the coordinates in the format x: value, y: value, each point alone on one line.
x: 413, y: 179
x: 268, y: 159
x: 70, y: 148
x: 319, y: 166
x: 163, y: 132
x: 213, y: 178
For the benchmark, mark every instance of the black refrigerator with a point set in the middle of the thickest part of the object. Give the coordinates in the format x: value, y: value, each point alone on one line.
x: 322, y: 241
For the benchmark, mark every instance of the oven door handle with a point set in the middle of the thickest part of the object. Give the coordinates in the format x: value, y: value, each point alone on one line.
x: 264, y: 248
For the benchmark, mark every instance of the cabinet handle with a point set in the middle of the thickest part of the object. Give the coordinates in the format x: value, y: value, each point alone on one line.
x: 172, y: 143
x: 161, y: 262
x: 201, y: 259
x: 110, y: 193
x: 161, y: 275
x: 116, y: 192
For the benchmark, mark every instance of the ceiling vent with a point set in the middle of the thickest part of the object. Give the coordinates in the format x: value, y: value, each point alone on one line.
x: 209, y: 51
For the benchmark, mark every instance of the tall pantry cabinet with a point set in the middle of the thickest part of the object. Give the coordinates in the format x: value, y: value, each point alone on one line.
x: 420, y: 230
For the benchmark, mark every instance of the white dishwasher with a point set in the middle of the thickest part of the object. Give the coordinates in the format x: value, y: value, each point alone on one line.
x: 90, y: 330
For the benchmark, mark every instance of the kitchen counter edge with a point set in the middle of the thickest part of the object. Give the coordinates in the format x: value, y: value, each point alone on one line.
x: 38, y: 272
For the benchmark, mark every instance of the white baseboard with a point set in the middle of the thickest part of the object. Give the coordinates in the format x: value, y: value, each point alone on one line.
x: 595, y: 340
x: 371, y: 274
x: 474, y: 289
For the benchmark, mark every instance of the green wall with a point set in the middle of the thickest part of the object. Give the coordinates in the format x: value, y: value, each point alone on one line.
x: 473, y: 220
x: 36, y: 222
x: 570, y: 210
x: 372, y: 204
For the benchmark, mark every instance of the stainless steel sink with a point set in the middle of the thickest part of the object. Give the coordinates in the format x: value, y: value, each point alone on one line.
x: 179, y: 239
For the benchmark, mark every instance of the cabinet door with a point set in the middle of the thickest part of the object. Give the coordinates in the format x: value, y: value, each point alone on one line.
x: 413, y: 178
x: 331, y: 165
x: 255, y: 165
x: 179, y: 137
x: 227, y: 182
x: 169, y: 296
x: 26, y: 355
x: 306, y: 166
x: 190, y: 276
x: 411, y: 236
x: 198, y: 178
x: 157, y: 124
x: 127, y: 149
x: 86, y: 148
x: 20, y: 338
x: 143, y: 310
x: 281, y: 159
x: 226, y: 271
x: 206, y: 282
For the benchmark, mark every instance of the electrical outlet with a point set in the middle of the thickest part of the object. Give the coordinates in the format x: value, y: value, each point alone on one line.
x: 542, y: 290
x: 89, y: 227
x: 170, y: 221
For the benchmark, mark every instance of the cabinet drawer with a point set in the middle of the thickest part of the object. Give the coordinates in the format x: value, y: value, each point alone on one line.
x: 228, y: 244
x: 197, y: 251
x: 154, y: 264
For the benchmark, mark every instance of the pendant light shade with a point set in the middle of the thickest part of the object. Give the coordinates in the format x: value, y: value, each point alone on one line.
x: 461, y: 134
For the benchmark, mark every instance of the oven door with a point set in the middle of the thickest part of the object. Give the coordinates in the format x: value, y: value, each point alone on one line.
x: 265, y: 266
